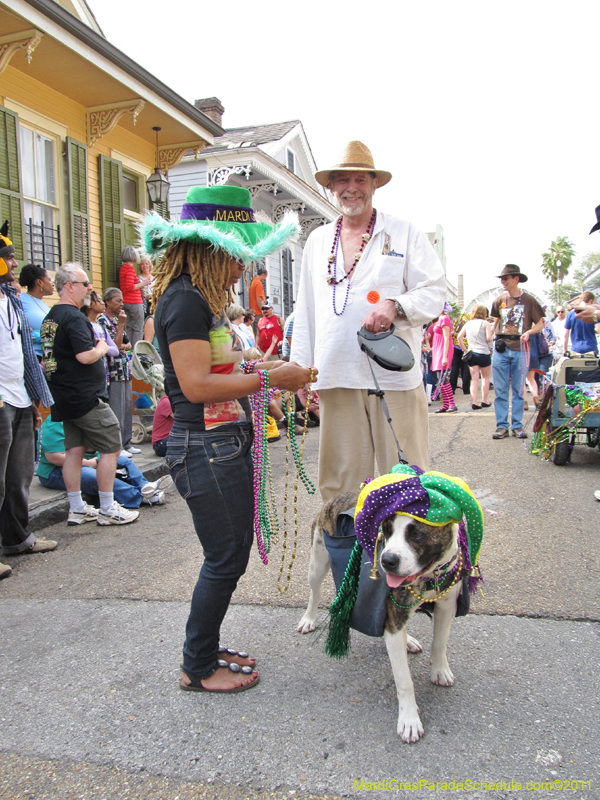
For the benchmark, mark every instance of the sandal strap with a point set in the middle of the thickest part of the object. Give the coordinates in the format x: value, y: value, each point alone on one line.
x: 231, y: 652
x: 234, y: 667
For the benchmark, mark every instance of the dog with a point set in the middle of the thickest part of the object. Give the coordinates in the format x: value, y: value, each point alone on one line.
x: 427, y: 558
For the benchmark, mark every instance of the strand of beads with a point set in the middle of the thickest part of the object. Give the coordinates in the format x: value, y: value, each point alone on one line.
x: 261, y: 463
x: 524, y: 364
x: 332, y: 260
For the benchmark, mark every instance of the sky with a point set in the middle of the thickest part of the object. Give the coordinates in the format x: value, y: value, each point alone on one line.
x: 486, y: 114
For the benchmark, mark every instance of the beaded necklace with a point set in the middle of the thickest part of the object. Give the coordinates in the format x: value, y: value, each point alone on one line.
x: 11, y: 320
x: 266, y: 523
x: 300, y: 474
x: 332, y: 260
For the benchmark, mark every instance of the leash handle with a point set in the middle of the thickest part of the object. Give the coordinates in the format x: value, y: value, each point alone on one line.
x: 378, y: 392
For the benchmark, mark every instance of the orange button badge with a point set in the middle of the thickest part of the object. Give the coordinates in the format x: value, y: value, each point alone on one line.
x: 373, y: 297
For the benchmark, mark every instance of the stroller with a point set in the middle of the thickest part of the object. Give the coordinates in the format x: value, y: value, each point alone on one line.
x: 146, y: 366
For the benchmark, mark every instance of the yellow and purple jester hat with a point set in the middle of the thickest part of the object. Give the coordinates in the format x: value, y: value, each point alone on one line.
x: 431, y: 497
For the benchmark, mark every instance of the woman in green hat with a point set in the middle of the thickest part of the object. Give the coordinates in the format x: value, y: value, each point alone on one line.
x: 209, y: 448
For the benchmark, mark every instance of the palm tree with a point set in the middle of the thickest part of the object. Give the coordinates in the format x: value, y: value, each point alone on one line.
x: 558, y: 259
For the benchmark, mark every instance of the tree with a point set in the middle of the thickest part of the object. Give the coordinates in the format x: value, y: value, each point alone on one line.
x: 557, y: 261
x: 589, y: 263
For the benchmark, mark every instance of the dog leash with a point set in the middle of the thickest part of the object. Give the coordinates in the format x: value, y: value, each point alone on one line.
x: 378, y: 392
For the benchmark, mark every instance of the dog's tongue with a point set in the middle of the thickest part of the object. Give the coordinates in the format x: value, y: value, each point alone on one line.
x: 394, y: 581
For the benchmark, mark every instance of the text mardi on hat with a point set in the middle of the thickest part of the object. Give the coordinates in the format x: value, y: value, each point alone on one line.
x: 512, y: 269
x: 597, y: 225
x: 223, y: 217
x: 356, y: 157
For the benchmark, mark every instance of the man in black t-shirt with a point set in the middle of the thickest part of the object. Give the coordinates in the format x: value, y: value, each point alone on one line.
x: 74, y: 364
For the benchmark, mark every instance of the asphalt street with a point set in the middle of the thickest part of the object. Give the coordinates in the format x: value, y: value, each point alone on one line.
x: 92, y: 633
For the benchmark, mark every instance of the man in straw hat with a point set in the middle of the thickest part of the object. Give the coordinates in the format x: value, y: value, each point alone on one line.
x: 373, y: 269
x: 518, y: 315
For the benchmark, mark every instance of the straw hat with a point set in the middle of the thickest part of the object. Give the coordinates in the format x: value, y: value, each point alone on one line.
x: 356, y: 157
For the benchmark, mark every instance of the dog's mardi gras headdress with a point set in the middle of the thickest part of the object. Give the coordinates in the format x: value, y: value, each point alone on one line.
x: 432, y: 498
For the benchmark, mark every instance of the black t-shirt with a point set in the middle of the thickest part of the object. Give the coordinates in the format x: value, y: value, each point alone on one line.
x: 75, y: 387
x: 182, y: 313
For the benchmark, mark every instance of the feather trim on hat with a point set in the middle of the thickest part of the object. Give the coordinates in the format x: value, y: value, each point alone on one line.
x: 157, y: 234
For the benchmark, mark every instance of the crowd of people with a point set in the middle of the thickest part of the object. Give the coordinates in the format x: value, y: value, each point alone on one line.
x: 72, y: 359
x: 367, y: 269
x: 475, y: 339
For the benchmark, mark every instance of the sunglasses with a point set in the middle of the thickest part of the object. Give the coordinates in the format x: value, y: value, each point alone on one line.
x: 83, y: 283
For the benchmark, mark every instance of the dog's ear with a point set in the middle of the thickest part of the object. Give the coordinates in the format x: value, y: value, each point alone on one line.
x: 5, y: 228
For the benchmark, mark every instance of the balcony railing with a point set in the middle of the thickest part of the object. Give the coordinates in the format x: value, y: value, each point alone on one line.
x: 43, y: 245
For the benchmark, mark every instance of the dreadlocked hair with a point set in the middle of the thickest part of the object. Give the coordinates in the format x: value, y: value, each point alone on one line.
x: 208, y: 269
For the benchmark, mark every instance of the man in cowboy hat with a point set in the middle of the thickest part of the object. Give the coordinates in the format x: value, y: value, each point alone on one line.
x: 373, y: 269
x: 517, y: 316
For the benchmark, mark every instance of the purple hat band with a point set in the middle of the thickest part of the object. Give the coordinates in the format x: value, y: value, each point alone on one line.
x: 217, y: 213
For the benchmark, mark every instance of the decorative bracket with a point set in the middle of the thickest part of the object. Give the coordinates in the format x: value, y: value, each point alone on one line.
x: 102, y: 119
x: 258, y: 188
x: 293, y: 205
x: 12, y: 42
x: 222, y: 175
x: 308, y: 223
x: 169, y: 155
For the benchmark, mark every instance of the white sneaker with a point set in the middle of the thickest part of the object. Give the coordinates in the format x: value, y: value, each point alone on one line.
x: 158, y: 499
x: 597, y: 494
x: 163, y: 484
x: 86, y: 514
x: 124, y: 454
x: 117, y: 515
x: 132, y: 450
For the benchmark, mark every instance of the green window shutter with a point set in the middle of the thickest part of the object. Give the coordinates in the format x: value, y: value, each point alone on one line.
x: 77, y: 169
x: 11, y: 200
x: 111, y: 217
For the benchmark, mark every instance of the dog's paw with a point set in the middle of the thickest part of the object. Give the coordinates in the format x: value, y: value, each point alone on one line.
x: 410, y: 727
x: 442, y: 676
x: 306, y: 625
x: 412, y: 645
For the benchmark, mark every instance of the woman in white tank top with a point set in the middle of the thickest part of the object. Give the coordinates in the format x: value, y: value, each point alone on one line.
x: 478, y: 333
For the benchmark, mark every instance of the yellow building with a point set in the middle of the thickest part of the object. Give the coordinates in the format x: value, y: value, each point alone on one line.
x: 77, y: 138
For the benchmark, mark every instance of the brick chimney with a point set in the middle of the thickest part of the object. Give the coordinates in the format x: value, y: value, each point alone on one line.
x: 212, y: 107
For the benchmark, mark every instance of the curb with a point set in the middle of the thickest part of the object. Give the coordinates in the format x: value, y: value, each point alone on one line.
x: 57, y: 510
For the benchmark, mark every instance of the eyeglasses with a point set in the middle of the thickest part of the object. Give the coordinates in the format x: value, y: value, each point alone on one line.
x: 83, y: 283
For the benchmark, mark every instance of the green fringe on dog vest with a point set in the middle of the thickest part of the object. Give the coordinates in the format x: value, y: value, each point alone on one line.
x: 338, y: 634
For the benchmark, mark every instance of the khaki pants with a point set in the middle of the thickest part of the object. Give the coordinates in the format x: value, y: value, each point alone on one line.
x: 355, y: 433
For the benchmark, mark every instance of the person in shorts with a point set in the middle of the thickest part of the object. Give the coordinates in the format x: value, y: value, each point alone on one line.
x: 74, y: 363
x: 479, y: 334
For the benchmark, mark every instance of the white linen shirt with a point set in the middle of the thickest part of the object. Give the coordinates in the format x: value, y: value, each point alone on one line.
x: 408, y: 271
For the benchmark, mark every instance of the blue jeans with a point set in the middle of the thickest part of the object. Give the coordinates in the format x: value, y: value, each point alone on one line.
x: 213, y: 473
x: 126, y: 491
x: 17, y: 458
x: 506, y: 369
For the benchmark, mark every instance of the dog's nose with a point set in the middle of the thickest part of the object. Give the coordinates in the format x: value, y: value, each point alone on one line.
x: 390, y: 560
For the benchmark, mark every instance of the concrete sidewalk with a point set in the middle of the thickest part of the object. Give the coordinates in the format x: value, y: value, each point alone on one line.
x: 100, y: 686
x: 48, y: 506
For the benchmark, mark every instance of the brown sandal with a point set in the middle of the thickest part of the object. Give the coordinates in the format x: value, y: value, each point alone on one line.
x: 195, y: 684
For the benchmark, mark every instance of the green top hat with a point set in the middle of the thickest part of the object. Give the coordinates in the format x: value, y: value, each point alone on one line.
x: 223, y: 217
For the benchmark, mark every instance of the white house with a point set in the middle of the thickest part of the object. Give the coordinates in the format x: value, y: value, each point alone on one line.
x: 275, y: 163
